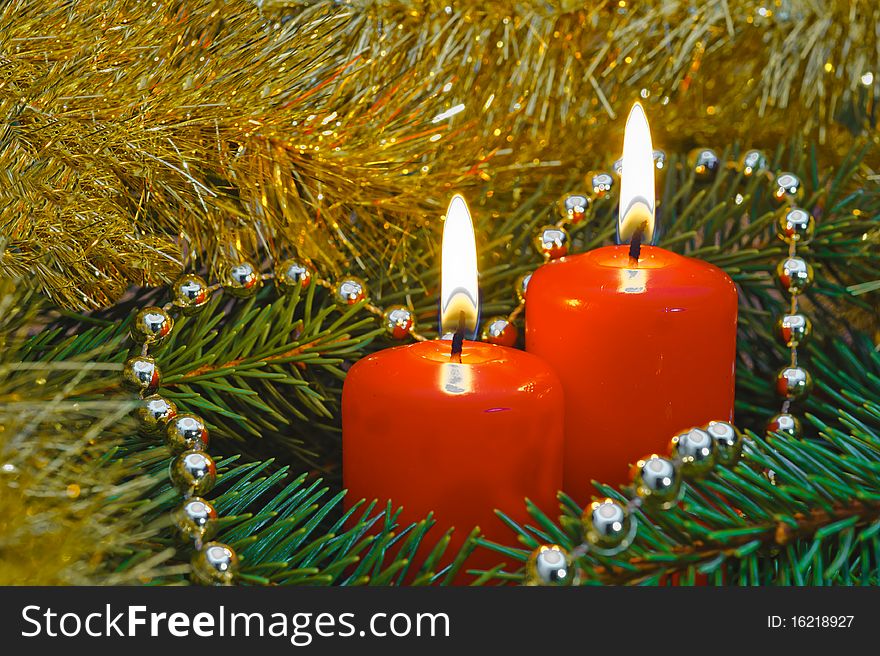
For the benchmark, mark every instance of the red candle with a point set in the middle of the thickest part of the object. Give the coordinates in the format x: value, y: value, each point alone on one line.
x: 642, y: 339
x: 454, y: 434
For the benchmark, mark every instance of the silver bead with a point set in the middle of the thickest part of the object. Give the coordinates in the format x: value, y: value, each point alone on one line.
x: 552, y: 242
x: 193, y: 472
x: 291, y: 274
x: 728, y: 441
x: 754, y: 161
x: 796, y: 225
x: 795, y: 275
x: 214, y: 564
x: 704, y: 162
x: 794, y: 329
x: 522, y: 286
x: 195, y: 519
x: 191, y: 293
x: 659, y: 160
x: 141, y: 374
x: 242, y: 280
x: 788, y: 189
x: 549, y: 565
x: 500, y: 331
x: 600, y: 184
x: 608, y: 527
x: 574, y: 207
x: 793, y: 383
x: 186, y: 432
x: 151, y: 325
x: 350, y: 290
x: 657, y: 481
x: 695, y: 449
x: 785, y: 423
x: 154, y: 412
x: 398, y: 321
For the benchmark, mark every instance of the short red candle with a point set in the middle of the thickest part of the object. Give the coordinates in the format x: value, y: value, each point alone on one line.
x: 453, y: 427
x: 455, y: 439
x: 643, y: 351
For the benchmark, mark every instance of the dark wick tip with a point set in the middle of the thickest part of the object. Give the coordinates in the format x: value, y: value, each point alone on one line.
x: 457, y: 343
x: 458, y: 340
x: 635, y: 246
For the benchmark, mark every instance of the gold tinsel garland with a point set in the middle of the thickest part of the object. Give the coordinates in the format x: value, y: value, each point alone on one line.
x: 136, y: 137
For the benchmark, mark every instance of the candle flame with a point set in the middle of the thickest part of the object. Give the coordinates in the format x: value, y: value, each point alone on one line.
x: 459, y: 294
x: 636, y: 179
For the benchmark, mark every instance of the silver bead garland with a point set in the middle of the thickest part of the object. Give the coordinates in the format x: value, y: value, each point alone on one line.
x: 795, y: 226
x: 192, y: 471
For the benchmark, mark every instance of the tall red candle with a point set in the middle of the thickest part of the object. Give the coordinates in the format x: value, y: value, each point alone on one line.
x: 456, y: 435
x: 643, y: 339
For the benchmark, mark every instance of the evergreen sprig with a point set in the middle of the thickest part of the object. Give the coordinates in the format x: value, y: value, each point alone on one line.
x: 270, y: 368
x: 292, y: 532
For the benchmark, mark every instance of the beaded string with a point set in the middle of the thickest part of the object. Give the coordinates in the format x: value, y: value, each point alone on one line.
x: 609, y: 525
x: 795, y: 275
x: 193, y: 471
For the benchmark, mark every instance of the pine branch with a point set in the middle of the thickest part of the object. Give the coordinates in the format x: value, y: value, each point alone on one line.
x: 291, y: 533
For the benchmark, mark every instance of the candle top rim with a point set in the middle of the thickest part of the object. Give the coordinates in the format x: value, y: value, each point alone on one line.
x: 650, y: 257
x: 616, y: 256
x: 486, y: 371
x: 473, y: 354
x: 600, y: 271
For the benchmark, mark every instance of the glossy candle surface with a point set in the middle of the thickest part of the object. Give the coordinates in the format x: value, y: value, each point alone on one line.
x: 643, y: 351
x: 455, y: 439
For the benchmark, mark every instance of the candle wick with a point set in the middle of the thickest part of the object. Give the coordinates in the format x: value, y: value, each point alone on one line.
x: 458, y: 340
x: 635, y: 246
